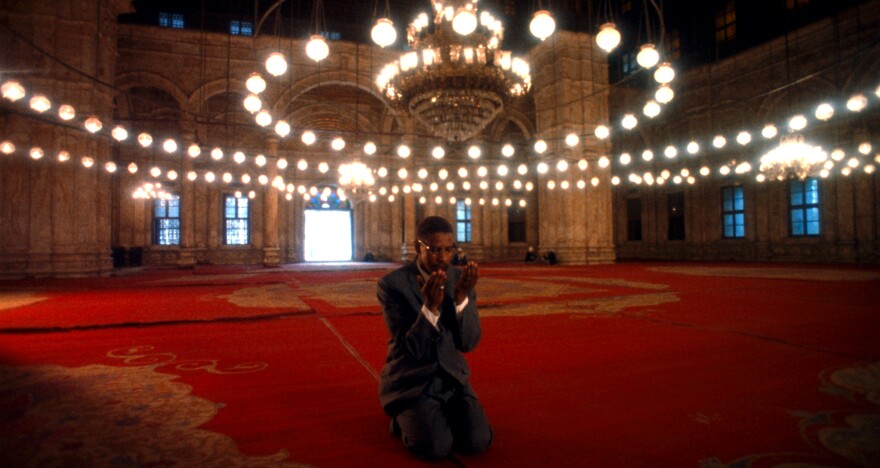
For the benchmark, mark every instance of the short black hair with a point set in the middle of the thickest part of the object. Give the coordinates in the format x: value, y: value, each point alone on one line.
x: 433, y: 225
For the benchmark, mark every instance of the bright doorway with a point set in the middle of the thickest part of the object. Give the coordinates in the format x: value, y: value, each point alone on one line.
x: 328, y: 236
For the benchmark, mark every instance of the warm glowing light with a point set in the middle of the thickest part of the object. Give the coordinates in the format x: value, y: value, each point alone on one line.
x: 403, y: 151
x: 36, y: 152
x: 651, y: 109
x: 562, y: 165
x: 276, y: 64
x: 255, y: 83
x: 798, y: 122
x: 281, y: 164
x: 540, y: 146
x: 93, y: 124
x: 323, y: 168
x: 629, y: 121
x: 865, y: 148
x: 542, y: 168
x: 743, y: 138
x: 602, y: 132
x: 282, y: 128
x: 664, y: 94
x: 583, y: 164
x: 383, y: 33
x: 40, y: 103
x: 309, y: 138
x: 87, y: 162
x: 438, y: 152
x: 625, y: 159
x: 670, y: 152
x: 769, y: 131
x: 542, y: 25
x: 648, y: 56
x: 132, y: 168
x: 507, y: 150
x: 572, y: 139
x: 647, y: 155
x: 145, y: 140
x: 317, y: 48
x: 474, y: 152
x: 719, y: 142
x: 608, y: 37
x: 216, y: 154
x: 252, y: 103
x: 465, y: 21
x: 693, y: 147
x: 857, y: 103
x: 792, y: 156
x: 64, y: 156
x: 604, y: 162
x: 824, y: 111
x: 664, y: 73
x: 260, y: 160
x: 119, y: 133
x: 338, y: 144
x: 369, y: 148
x: 12, y: 90
x: 263, y: 118
x: 66, y: 112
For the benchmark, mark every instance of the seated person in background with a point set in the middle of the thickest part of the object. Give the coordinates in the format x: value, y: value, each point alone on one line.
x: 550, y: 257
x: 369, y: 257
x: 531, y: 256
x: 459, y: 258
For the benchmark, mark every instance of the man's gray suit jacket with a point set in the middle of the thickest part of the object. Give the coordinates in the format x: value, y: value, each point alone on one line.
x: 417, y: 351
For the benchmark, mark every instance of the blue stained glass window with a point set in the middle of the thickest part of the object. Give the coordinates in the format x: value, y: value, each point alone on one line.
x: 166, y: 221
x: 235, y: 220
x: 804, y: 208
x: 462, y: 222
x: 733, y: 212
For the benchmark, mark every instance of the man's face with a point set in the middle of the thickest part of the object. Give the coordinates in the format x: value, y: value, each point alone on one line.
x: 435, y: 251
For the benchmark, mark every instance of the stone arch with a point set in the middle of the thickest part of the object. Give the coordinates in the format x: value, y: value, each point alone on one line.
x: 325, y: 78
x: 214, y: 88
x: 518, y: 118
x: 131, y: 80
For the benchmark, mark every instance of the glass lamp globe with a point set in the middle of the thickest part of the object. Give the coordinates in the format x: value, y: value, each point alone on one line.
x: 651, y: 109
x: 608, y: 37
x: 572, y: 139
x: 64, y: 156
x: 798, y: 122
x: 93, y: 125
x: 308, y: 137
x: 119, y: 133
x: 369, y: 148
x: 132, y: 168
x: 664, y: 73
x: 474, y: 152
x: 648, y: 56
x: 824, y: 111
x: 769, y: 131
x: 40, y: 103
x: 260, y: 160
x: 263, y: 118
x: 693, y: 147
x: 629, y: 121
x: 252, y: 103
x: 194, y: 150
x: 169, y: 146
x: 282, y: 128
x: 37, y: 153
x: 255, y: 83
x: 507, y: 150
x: 12, y: 90
x: 145, y: 140
x: 337, y: 144
x: 540, y: 146
x: 602, y: 132
x: 465, y: 21
x: 542, y: 25
x: 743, y: 138
x: 670, y: 152
x: 276, y: 64
x: 664, y: 94
x: 857, y: 103
x: 66, y: 112
x: 87, y: 162
x: 438, y: 152
x: 719, y: 141
x: 403, y: 151
x: 383, y: 32
x: 317, y: 48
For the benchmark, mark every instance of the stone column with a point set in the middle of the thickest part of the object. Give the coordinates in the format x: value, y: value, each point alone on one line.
x: 271, y: 252
x: 187, y: 257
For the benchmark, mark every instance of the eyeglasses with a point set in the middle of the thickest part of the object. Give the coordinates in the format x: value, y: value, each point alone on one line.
x: 437, y: 250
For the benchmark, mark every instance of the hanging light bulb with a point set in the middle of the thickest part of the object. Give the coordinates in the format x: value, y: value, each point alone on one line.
x: 302, y: 164
x: 263, y: 118
x: 542, y: 25
x: 282, y: 128
x: 651, y: 109
x: 474, y: 152
x: 40, y: 103
x: 337, y: 144
x: 36, y: 153
x: 647, y: 155
x: 260, y: 160
x: 403, y: 151
x: 465, y: 20
x: 119, y: 133
x: 438, y: 152
x: 369, y: 148
x: 64, y: 156
x: 255, y: 83
x: 693, y: 147
x: 664, y: 73
x: 93, y: 125
x: 383, y: 32
x: 629, y: 121
x: 602, y: 132
x: 648, y: 56
x: 769, y: 131
x: 572, y: 139
x: 169, y: 146
x: 743, y: 138
x: 281, y: 164
x: 252, y: 103
x: 132, y: 168
x: 798, y: 122
x: 7, y: 147
x: 276, y: 64
x: 540, y: 146
x: 12, y: 90
x: 507, y: 150
x: 309, y: 138
x: 664, y: 94
x: 824, y: 111
x: 216, y: 154
x: 719, y: 142
x: 670, y: 152
x: 608, y: 37
x: 87, y: 162
x: 66, y: 112
x: 145, y: 140
x: 317, y: 48
x: 625, y: 158
x: 857, y: 103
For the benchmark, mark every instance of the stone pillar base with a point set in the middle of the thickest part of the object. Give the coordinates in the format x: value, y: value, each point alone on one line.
x: 601, y: 255
x: 56, y: 265
x: 271, y: 256
x: 187, y: 258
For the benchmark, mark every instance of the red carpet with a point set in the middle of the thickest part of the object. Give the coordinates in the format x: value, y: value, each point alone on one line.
x: 619, y: 365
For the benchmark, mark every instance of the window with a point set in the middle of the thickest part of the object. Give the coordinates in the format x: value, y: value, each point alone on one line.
x: 516, y: 224
x: 628, y: 63
x: 725, y: 27
x: 804, y: 207
x: 462, y: 222
x: 235, y: 220
x: 733, y: 212
x: 171, y: 20
x: 331, y: 35
x: 675, y: 202
x: 166, y: 221
x: 241, y: 28
x: 634, y: 219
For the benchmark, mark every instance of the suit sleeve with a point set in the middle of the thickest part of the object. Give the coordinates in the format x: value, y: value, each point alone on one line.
x: 410, y: 331
x: 465, y: 326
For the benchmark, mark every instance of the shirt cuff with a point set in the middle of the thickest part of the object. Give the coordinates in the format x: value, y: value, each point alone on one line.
x: 432, y: 319
x: 460, y: 308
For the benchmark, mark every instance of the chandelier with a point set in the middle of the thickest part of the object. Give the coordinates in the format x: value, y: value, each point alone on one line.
x: 793, y: 157
x: 356, y: 180
x: 454, y: 79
